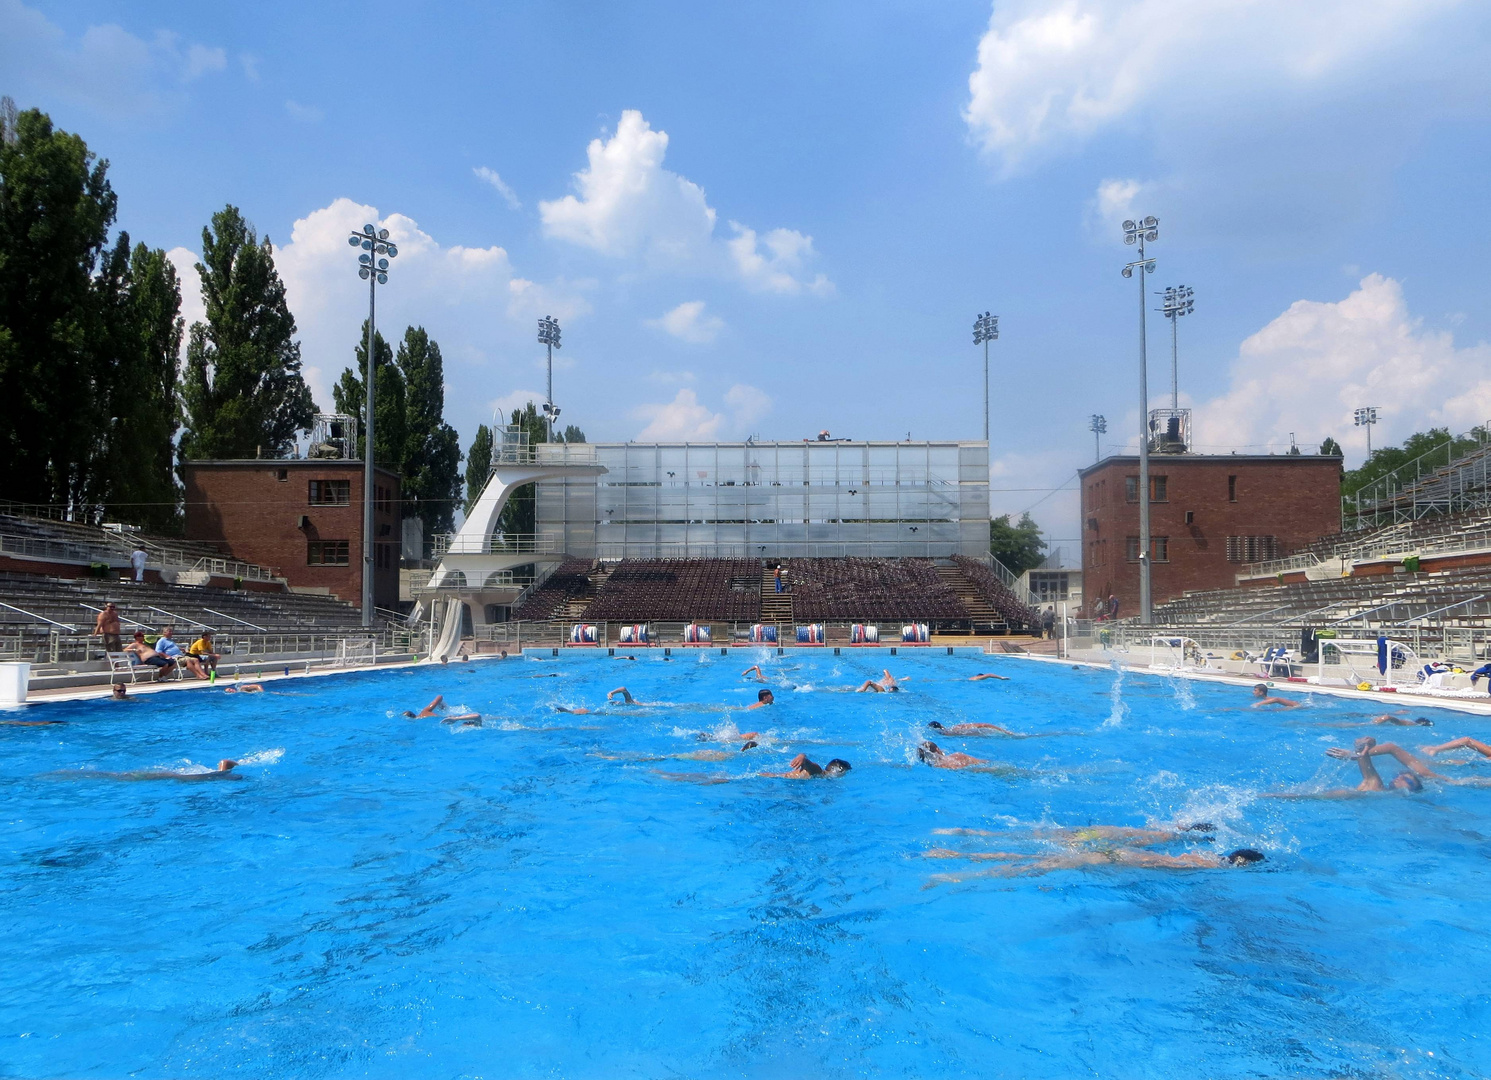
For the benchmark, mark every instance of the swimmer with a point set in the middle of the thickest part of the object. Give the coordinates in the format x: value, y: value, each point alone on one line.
x: 438, y: 705
x: 803, y: 769
x: 748, y: 736
x: 939, y: 758
x: 626, y: 696
x: 981, y: 676
x: 763, y: 698
x: 582, y: 711
x: 885, y: 684
x: 1261, y: 693
x: 1463, y: 743
x: 470, y: 719
x: 974, y: 729
x: 224, y: 771
x: 34, y: 723
x: 1366, y: 747
x: 249, y: 688
x: 1025, y: 865
x: 623, y: 658
x: 1090, y: 834
x: 119, y: 693
x: 757, y: 669
x: 1403, y: 721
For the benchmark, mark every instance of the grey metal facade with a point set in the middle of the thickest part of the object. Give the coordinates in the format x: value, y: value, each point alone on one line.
x: 749, y: 500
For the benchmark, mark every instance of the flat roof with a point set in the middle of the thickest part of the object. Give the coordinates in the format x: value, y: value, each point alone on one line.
x: 1215, y: 459
x: 284, y: 463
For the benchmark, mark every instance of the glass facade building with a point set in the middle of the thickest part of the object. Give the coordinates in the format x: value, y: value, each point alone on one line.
x: 769, y: 500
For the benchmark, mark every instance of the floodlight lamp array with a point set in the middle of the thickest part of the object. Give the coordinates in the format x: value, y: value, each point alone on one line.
x: 377, y: 249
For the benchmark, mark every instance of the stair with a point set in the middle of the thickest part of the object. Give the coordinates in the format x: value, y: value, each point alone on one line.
x: 776, y: 607
x: 979, y: 609
x: 574, y: 607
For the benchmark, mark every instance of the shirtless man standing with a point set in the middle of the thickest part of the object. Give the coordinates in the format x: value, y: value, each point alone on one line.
x: 106, y: 626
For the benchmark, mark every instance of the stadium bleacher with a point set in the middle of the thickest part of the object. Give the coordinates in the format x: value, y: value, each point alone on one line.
x: 637, y: 590
x: 571, y: 581
x: 1015, y: 614
x: 855, y: 589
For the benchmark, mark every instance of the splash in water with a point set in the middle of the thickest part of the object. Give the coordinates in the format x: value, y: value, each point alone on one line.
x: 1184, y: 696
x: 262, y: 757
x: 1120, y: 710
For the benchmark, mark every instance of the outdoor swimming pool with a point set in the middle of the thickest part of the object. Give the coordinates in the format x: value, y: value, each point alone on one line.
x: 378, y: 896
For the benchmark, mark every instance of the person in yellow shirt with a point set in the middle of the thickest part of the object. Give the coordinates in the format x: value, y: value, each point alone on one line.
x: 202, y: 650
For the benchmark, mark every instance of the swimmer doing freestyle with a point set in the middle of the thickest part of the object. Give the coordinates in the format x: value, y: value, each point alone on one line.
x: 438, y: 706
x: 1365, y: 749
x: 939, y: 758
x: 886, y: 684
x: 973, y: 730
x: 1017, y: 864
x: 803, y: 769
x: 1261, y: 693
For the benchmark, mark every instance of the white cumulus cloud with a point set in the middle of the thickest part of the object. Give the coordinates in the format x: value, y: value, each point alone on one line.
x: 689, y: 322
x: 629, y: 206
x: 490, y: 176
x: 686, y: 419
x: 1054, y: 74
x: 1309, y: 370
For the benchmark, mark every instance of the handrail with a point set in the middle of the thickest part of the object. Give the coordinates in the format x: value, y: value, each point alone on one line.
x: 43, y: 618
x: 224, y: 615
x: 1441, y: 611
x: 182, y: 618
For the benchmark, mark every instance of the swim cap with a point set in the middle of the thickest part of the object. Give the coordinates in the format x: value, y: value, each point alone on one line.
x: 1409, y: 781
x: 935, y: 724
x: 1243, y: 856
x: 837, y: 767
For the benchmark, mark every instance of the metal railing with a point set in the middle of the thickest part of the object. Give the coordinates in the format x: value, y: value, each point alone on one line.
x: 495, y: 544
x: 668, y: 633
x: 52, y: 646
x: 1453, y: 476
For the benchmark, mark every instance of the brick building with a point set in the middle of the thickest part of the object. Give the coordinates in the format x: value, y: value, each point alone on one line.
x: 300, y: 517
x: 1208, y: 515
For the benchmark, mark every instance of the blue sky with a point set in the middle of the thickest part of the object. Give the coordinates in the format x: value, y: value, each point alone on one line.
x: 773, y: 219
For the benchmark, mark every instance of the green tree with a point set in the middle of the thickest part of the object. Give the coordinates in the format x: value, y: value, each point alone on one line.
x: 572, y: 434
x: 519, y: 516
x: 349, y: 395
x: 140, y: 331
x: 1019, y: 546
x: 1331, y: 448
x: 478, y: 465
x: 432, y: 451
x: 1436, y: 447
x: 243, y: 391
x: 56, y: 209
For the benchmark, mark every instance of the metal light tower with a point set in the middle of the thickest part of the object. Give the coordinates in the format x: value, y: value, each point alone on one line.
x: 1146, y: 231
x: 1178, y: 302
x: 548, y: 334
x: 372, y: 268
x: 1098, y: 425
x: 1366, y: 417
x: 985, y: 330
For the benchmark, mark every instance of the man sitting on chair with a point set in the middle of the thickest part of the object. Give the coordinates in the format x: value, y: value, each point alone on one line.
x: 144, y: 654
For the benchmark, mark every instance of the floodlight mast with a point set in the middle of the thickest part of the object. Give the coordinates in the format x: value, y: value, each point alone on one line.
x: 1178, y: 302
x: 377, y: 249
x: 1098, y: 425
x: 1139, y: 233
x: 985, y: 330
x: 1366, y: 416
x: 548, y: 334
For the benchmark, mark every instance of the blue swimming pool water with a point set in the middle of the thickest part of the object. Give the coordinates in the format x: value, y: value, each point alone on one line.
x: 385, y: 897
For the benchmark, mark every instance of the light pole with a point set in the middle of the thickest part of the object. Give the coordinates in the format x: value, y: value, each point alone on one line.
x: 372, y: 268
x: 1098, y: 425
x: 985, y: 330
x: 1178, y: 302
x: 1366, y: 417
x: 1140, y: 233
x: 548, y: 334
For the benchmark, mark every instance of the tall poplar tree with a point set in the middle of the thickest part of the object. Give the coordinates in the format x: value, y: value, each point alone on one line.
x: 432, y: 450
x: 244, y: 393
x: 350, y: 395
x: 478, y: 465
x: 56, y: 209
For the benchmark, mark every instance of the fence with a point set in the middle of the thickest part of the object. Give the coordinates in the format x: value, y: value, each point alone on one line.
x: 56, y: 647
x: 555, y: 632
x: 1456, y: 644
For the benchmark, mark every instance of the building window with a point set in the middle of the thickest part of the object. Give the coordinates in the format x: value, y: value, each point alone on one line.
x: 1250, y: 549
x: 1159, y: 549
x: 282, y: 475
x: 1049, y: 586
x: 1232, y: 489
x: 331, y: 492
x: 1131, y: 488
x: 328, y: 553
x: 1157, y: 489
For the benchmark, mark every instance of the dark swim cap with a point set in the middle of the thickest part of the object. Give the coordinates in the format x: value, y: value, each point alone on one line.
x: 750, y: 745
x: 837, y: 767
x: 1243, y: 856
x: 935, y: 724
x: 1408, y: 780
x: 1424, y: 721
x: 1200, y: 826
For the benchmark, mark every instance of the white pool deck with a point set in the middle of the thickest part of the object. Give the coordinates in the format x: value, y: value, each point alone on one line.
x: 1405, y: 697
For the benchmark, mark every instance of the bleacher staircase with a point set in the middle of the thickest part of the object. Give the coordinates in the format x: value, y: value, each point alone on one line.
x: 776, y: 607
x: 985, y: 618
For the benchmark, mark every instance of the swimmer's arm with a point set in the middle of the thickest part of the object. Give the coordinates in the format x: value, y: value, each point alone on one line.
x: 1404, y: 758
x: 1465, y: 742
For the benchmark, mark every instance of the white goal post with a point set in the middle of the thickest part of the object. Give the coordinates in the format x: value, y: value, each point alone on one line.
x: 357, y: 650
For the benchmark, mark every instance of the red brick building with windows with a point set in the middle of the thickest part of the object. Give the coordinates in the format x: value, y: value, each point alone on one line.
x: 300, y: 517
x: 1208, y: 515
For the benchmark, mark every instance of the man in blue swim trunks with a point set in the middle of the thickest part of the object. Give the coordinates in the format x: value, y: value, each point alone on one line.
x: 144, y: 654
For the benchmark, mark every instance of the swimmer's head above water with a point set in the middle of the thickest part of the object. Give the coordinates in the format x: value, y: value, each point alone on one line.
x: 836, y: 767
x: 1407, y: 781
x: 765, y: 697
x: 1243, y: 856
